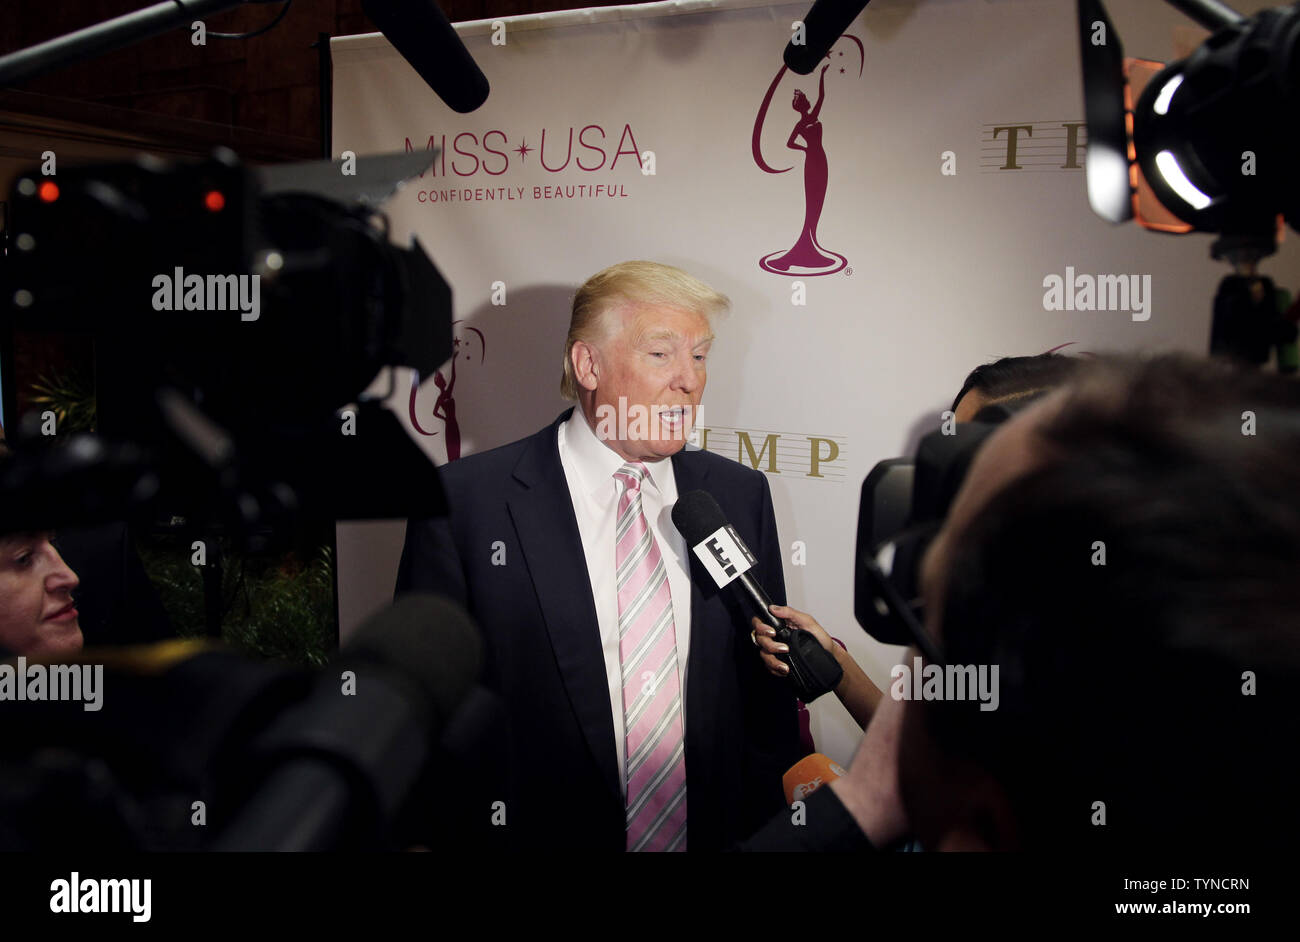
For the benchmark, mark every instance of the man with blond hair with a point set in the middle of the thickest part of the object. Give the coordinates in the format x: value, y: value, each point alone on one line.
x: 638, y: 716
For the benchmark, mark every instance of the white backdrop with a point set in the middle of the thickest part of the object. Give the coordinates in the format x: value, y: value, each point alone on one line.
x: 943, y: 271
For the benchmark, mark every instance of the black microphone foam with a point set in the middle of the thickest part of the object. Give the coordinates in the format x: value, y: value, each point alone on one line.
x: 824, y: 24
x: 697, y: 515
x: 337, y: 771
x: 419, y: 30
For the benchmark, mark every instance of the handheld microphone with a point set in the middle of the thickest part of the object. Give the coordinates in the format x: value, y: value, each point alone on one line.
x: 809, y: 774
x: 723, y: 553
x: 419, y: 30
x: 727, y: 559
x: 824, y: 24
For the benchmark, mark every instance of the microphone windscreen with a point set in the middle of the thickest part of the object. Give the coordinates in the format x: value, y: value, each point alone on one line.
x: 824, y: 24
x: 809, y: 774
x: 419, y: 30
x: 426, y: 643
x: 697, y: 516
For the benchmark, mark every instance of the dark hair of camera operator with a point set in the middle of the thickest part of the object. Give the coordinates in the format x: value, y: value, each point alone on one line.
x: 1010, y: 379
x: 1153, y: 689
x: 37, y: 615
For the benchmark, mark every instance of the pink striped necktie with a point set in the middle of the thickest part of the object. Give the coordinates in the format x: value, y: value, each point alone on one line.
x: 652, y: 701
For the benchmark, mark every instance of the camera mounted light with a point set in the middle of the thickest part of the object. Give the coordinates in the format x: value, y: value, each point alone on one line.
x: 1214, y: 134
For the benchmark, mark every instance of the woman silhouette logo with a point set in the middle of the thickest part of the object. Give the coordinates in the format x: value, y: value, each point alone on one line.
x: 445, y: 406
x: 807, y: 256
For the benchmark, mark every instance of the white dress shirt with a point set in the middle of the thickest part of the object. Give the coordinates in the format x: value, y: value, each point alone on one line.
x: 589, y: 466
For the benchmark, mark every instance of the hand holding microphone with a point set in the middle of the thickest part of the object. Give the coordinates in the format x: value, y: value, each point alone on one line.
x: 770, y: 649
x: 855, y: 689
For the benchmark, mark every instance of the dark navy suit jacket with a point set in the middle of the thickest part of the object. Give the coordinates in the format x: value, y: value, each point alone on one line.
x: 560, y: 782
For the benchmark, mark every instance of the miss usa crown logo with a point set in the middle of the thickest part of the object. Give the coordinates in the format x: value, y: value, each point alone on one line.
x: 807, y: 256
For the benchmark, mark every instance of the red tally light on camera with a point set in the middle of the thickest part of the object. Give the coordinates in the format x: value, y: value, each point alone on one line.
x: 48, y: 191
x: 214, y: 200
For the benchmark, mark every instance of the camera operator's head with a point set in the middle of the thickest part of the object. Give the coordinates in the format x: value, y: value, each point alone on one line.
x: 1125, y: 552
x: 37, y: 615
x: 1010, y: 380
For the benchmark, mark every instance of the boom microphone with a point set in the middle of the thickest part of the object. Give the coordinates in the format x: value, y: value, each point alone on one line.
x: 339, y: 768
x: 170, y: 724
x: 727, y: 559
x: 824, y: 24
x: 419, y: 30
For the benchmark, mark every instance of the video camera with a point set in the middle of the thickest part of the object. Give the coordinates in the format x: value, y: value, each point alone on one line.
x: 234, y: 312
x: 903, y: 504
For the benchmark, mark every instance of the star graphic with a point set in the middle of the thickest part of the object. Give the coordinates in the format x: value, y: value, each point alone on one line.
x: 523, y: 150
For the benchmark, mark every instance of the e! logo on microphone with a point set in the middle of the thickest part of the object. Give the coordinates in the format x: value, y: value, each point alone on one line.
x: 724, y: 555
x: 721, y: 556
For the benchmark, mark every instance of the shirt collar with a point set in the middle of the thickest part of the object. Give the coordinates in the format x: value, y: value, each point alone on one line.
x: 596, y: 462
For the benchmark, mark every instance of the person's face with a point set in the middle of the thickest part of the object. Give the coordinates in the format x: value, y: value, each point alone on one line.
x: 652, y: 360
x: 37, y: 617
x: 953, y: 805
x: 800, y: 101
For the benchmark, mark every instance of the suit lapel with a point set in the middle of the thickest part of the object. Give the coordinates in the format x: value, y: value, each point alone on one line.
x: 709, y: 642
x: 542, y: 512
